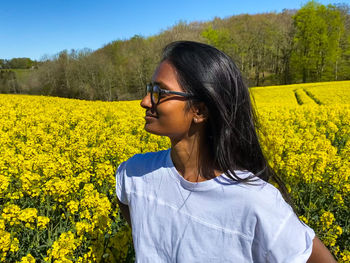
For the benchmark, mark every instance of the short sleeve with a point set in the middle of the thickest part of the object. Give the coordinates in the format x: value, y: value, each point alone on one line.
x: 292, y: 243
x: 120, y: 183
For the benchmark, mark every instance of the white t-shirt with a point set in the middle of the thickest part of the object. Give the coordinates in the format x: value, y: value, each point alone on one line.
x: 174, y: 220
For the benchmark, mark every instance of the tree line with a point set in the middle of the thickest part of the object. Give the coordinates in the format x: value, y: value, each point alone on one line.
x: 294, y: 46
x: 18, y: 63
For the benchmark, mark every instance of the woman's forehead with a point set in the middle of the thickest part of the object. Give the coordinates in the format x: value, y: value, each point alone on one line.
x: 166, y: 74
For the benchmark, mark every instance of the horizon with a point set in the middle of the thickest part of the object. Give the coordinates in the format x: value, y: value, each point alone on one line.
x: 38, y: 29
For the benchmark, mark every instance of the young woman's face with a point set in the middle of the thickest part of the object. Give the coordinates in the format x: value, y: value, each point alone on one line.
x: 169, y: 117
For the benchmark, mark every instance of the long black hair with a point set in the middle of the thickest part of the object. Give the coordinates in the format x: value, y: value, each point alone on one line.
x: 212, y: 78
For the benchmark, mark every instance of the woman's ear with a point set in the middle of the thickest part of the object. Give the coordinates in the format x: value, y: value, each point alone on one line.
x: 200, y: 112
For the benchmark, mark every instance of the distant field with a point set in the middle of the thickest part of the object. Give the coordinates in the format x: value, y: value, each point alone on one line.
x: 58, y: 158
x: 321, y: 93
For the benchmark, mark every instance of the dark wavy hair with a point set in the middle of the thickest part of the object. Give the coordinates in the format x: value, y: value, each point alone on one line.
x: 212, y: 78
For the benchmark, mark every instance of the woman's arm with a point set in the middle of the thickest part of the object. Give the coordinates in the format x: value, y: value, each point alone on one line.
x: 320, y: 254
x: 125, y: 212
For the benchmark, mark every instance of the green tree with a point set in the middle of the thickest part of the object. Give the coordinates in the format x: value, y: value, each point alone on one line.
x: 317, y: 42
x: 220, y: 38
x: 343, y: 64
x: 21, y: 63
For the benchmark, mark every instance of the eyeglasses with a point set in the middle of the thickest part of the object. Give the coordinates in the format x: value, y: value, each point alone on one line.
x: 157, y: 92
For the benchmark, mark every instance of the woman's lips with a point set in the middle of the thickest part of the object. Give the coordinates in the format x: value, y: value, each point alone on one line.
x: 150, y: 117
x: 148, y: 114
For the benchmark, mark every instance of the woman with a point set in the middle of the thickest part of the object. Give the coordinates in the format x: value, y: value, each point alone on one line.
x: 207, y: 198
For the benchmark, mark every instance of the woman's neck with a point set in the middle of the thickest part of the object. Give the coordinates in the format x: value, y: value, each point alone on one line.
x: 190, y: 156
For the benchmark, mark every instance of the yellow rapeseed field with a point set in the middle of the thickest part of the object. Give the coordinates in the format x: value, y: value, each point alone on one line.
x: 58, y: 158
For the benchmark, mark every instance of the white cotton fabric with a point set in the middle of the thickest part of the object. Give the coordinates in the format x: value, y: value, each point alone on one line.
x: 174, y: 220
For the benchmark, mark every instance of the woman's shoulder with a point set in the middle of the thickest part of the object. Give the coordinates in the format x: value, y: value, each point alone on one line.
x: 270, y: 195
x: 263, y: 199
x: 145, y: 161
x: 146, y: 157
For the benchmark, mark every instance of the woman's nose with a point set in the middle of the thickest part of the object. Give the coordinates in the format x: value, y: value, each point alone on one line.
x: 146, y: 101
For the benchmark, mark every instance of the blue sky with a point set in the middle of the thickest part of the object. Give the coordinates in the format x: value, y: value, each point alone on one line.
x: 37, y: 28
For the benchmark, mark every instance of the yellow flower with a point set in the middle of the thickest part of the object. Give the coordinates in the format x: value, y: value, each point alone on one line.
x: 326, y: 220
x: 339, y: 199
x: 4, y: 183
x: 304, y: 219
x: 31, y: 183
x: 42, y: 222
x: 11, y: 214
x: 83, y: 227
x: 28, y: 215
x: 345, y: 256
x: 7, y: 243
x: 2, y: 224
x: 73, y: 206
x: 63, y: 248
x: 331, y: 231
x: 28, y: 259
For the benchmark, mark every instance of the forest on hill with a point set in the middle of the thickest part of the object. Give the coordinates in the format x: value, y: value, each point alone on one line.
x: 295, y: 46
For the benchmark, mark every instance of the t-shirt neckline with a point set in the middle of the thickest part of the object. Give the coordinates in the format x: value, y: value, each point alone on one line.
x: 222, y: 179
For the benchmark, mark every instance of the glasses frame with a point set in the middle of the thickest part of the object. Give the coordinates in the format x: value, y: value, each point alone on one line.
x: 150, y: 89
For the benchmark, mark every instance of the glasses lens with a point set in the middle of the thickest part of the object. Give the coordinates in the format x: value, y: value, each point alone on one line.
x: 155, y: 96
x: 149, y: 89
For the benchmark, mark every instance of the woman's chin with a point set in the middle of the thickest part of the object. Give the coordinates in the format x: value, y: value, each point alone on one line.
x: 148, y: 128
x: 151, y: 129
